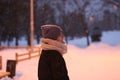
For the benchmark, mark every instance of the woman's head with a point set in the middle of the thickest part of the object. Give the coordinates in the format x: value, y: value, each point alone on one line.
x: 52, y: 32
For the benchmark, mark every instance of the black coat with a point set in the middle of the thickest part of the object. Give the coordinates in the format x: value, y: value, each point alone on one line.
x: 52, y: 66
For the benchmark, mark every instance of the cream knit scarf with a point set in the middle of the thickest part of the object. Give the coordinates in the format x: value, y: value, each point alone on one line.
x: 49, y: 44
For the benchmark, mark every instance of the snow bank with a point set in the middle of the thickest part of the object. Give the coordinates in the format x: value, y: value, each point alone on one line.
x: 99, y: 61
x: 96, y: 62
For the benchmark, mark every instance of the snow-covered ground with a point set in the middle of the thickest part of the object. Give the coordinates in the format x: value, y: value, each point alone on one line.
x: 99, y: 61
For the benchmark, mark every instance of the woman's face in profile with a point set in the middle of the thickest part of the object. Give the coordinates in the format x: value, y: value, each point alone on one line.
x: 61, y: 38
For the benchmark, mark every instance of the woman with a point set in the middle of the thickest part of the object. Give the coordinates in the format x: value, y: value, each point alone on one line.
x: 51, y: 63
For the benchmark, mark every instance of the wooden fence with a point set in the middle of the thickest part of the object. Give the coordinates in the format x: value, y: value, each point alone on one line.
x: 28, y: 55
x: 24, y: 56
x: 13, y: 47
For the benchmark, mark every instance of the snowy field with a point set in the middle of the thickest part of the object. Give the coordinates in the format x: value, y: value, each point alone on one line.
x: 99, y: 61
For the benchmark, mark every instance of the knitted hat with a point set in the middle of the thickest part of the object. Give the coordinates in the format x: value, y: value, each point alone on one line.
x: 51, y: 31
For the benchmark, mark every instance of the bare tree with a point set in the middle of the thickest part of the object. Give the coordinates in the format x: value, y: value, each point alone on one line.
x: 82, y: 18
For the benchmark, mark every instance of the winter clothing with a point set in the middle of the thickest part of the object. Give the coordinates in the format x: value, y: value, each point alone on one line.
x: 51, y: 31
x: 51, y: 63
x: 52, y: 66
x: 53, y: 45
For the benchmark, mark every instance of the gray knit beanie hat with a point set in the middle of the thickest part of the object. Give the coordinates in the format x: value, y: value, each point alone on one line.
x: 51, y: 31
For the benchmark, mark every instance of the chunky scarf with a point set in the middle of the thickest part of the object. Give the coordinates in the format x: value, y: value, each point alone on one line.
x: 49, y: 44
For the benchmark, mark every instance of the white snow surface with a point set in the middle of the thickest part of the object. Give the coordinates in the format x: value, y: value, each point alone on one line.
x: 99, y: 61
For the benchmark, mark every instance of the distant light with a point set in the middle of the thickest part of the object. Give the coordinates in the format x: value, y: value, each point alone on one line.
x: 115, y: 7
x: 91, y: 18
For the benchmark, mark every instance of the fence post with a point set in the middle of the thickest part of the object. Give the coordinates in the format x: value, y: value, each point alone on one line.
x: 16, y: 58
x: 29, y: 54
